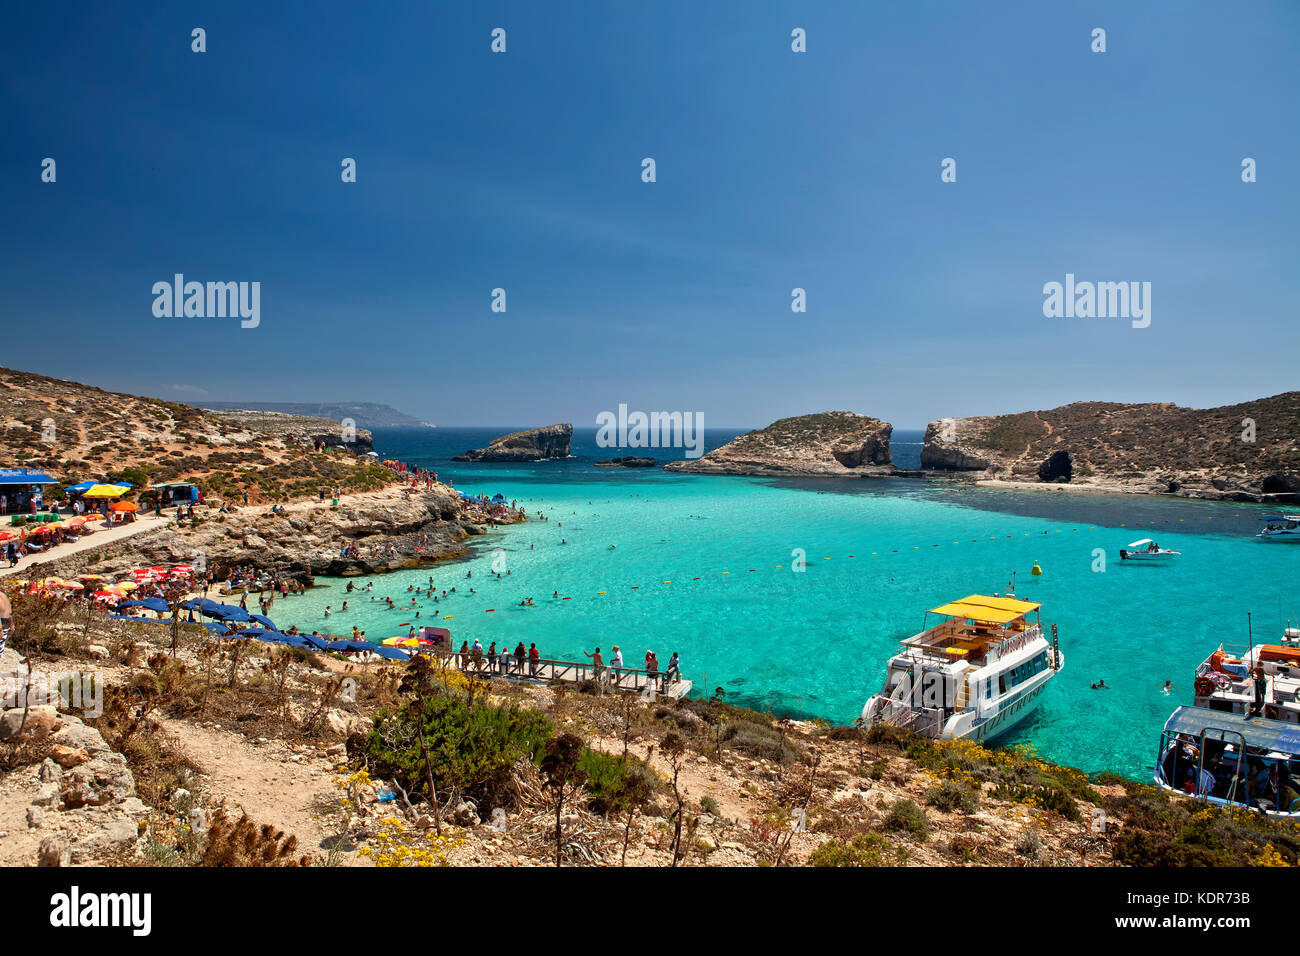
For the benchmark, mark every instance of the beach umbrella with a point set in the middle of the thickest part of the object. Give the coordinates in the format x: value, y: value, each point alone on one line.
x: 75, y: 522
x: 95, y: 517
x: 91, y: 577
x: 105, y: 491
x: 124, y: 506
x: 182, y: 569
x: 6, y: 535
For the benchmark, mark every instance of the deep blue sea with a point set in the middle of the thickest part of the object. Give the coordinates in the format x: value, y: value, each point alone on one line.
x: 704, y: 566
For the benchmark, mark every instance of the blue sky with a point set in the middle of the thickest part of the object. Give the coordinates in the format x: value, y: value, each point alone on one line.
x: 775, y: 170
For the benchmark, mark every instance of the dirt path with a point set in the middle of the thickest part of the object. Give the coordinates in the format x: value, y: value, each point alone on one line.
x: 27, y: 566
x: 272, y: 783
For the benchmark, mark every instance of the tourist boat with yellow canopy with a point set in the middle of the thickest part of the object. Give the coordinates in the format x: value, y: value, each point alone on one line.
x: 971, y: 676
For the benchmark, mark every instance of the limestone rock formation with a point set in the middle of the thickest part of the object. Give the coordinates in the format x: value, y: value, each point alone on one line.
x: 1245, y: 452
x: 627, y: 461
x: 305, y: 541
x: 533, y: 444
x: 823, y: 444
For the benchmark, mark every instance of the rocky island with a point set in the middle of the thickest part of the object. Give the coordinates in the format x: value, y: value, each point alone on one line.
x: 533, y: 444
x: 834, y: 444
x: 627, y: 461
x: 1244, y: 452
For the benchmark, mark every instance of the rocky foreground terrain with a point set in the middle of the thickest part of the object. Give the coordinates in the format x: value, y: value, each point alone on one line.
x: 1245, y: 452
x: 825, y: 444
x: 533, y: 444
x: 237, y: 753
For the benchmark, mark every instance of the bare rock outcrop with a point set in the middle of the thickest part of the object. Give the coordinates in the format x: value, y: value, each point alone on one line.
x: 825, y: 444
x: 533, y: 444
x: 1245, y: 452
x: 367, y: 534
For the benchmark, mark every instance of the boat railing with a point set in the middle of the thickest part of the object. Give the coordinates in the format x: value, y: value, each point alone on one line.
x: 927, y: 721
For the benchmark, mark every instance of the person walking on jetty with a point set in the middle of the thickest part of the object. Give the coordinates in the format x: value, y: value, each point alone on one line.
x: 504, y: 661
x: 533, y: 659
x: 674, y: 668
x: 597, y: 663
x: 616, y: 662
x: 520, y: 655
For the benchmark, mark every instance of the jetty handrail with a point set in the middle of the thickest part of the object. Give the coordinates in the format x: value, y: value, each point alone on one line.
x: 546, y: 668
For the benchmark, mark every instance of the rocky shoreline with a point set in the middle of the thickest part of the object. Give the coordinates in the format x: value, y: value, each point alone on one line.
x: 1243, y: 453
x: 382, y: 531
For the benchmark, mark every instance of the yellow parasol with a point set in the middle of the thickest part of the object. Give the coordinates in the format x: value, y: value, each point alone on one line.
x: 105, y: 491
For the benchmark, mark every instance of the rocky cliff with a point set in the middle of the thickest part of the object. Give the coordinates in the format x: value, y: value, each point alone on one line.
x: 1241, y: 452
x: 827, y: 443
x: 533, y: 444
x: 384, y: 531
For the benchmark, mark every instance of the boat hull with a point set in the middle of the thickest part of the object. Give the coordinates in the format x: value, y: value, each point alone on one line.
x: 1005, y: 720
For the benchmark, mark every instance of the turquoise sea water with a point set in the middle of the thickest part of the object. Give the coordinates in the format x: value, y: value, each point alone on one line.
x: 878, y: 554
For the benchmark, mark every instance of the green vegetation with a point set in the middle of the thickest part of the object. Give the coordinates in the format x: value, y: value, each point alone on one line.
x: 906, y: 816
x: 1163, y: 830
x: 607, y: 779
x: 867, y: 849
x: 954, y: 796
x: 472, y: 746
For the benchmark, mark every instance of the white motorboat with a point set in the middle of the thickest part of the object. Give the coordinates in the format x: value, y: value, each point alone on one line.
x: 1146, y: 550
x: 1280, y: 527
x: 973, y: 676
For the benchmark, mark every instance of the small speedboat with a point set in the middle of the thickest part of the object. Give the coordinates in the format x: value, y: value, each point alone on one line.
x: 1146, y: 550
x: 1285, y: 527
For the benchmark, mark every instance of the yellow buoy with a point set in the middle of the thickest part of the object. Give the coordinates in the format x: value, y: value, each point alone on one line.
x: 1036, y: 570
